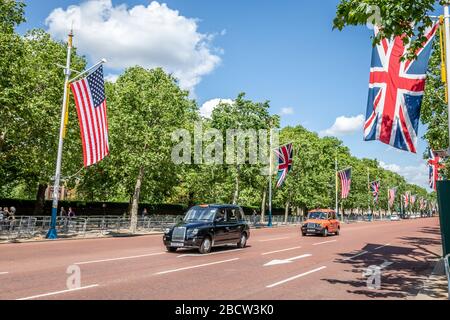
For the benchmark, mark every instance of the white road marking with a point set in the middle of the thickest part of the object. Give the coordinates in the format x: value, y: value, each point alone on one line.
x: 282, y: 250
x: 209, y: 254
x: 319, y: 243
x: 276, y: 262
x: 58, y: 292
x: 356, y: 255
x: 295, y: 277
x: 197, y: 266
x: 274, y: 239
x: 1, y: 273
x: 380, y: 247
x: 121, y: 258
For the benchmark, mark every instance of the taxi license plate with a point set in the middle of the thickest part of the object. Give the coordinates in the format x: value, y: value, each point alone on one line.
x: 177, y: 244
x: 311, y: 230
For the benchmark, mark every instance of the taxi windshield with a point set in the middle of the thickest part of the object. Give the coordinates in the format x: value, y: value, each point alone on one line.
x: 317, y: 215
x: 200, y: 214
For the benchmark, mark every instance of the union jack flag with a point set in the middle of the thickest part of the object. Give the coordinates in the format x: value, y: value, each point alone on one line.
x: 346, y: 181
x: 412, y: 200
x: 375, y: 189
x: 434, y: 165
x: 285, y: 154
x: 395, y: 92
x: 392, y: 192
x: 406, y: 199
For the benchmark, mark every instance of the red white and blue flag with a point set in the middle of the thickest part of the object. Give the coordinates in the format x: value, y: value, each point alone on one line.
x: 375, y: 189
x: 90, y: 101
x: 406, y: 199
x: 435, y: 163
x: 392, y: 192
x: 395, y: 92
x: 412, y: 200
x: 346, y: 181
x: 285, y: 155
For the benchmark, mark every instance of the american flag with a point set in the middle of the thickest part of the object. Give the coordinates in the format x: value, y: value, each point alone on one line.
x: 395, y: 92
x: 90, y: 100
x: 434, y: 165
x: 375, y: 189
x: 346, y: 181
x: 392, y: 193
x: 285, y: 155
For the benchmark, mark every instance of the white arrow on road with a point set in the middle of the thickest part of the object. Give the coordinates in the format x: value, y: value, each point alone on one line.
x: 276, y: 262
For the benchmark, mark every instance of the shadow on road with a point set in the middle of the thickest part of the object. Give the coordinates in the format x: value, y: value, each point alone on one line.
x: 406, y: 267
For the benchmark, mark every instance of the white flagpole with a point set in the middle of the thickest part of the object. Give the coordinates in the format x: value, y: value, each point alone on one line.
x: 447, y: 60
x: 52, y: 234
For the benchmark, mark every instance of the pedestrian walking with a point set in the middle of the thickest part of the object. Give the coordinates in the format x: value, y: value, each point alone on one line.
x: 144, y: 213
x: 254, y: 216
x: 63, y: 212
x: 71, y: 213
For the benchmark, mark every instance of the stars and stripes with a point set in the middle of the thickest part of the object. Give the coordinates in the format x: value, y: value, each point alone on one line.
x: 435, y: 163
x: 285, y: 156
x: 346, y: 181
x: 90, y: 101
x: 391, y: 196
x: 395, y: 92
x: 375, y: 189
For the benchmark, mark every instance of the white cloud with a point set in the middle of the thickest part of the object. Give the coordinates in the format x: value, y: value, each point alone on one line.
x: 345, y: 126
x: 150, y: 36
x: 413, y: 174
x: 287, y: 111
x: 209, y: 106
x: 112, y: 78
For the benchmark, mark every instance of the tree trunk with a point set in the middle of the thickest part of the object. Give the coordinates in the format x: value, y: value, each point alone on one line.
x: 286, y: 212
x: 40, y: 200
x: 135, y: 205
x: 236, y: 186
x: 263, y: 204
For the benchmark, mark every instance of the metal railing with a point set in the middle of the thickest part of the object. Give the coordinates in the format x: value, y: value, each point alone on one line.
x: 35, y: 226
x: 447, y: 272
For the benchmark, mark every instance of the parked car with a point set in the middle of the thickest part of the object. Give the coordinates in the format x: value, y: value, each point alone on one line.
x: 394, y: 217
x: 321, y: 222
x: 208, y: 226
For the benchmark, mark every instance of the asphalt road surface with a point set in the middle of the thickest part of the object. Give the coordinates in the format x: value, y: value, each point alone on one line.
x: 277, y: 264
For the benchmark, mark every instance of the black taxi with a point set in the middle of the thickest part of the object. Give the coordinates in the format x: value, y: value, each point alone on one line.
x: 208, y: 226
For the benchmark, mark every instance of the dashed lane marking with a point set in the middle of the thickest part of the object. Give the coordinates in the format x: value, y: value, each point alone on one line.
x: 380, y: 247
x: 197, y: 266
x: 295, y: 277
x: 282, y: 250
x: 274, y: 239
x: 356, y: 255
x: 319, y: 243
x: 58, y: 292
x: 209, y: 254
x: 120, y: 258
x: 1, y: 273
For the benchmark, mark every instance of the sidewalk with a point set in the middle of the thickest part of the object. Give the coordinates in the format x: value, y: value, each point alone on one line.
x: 435, y: 287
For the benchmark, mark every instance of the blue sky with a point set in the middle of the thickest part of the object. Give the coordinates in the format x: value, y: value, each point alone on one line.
x: 282, y: 51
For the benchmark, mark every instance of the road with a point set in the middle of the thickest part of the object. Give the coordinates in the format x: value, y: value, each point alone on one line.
x: 277, y: 264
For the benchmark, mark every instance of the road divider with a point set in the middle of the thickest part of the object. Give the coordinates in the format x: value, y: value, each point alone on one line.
x: 281, y: 250
x: 284, y: 261
x: 121, y: 258
x: 295, y: 277
x: 58, y: 292
x: 197, y: 266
